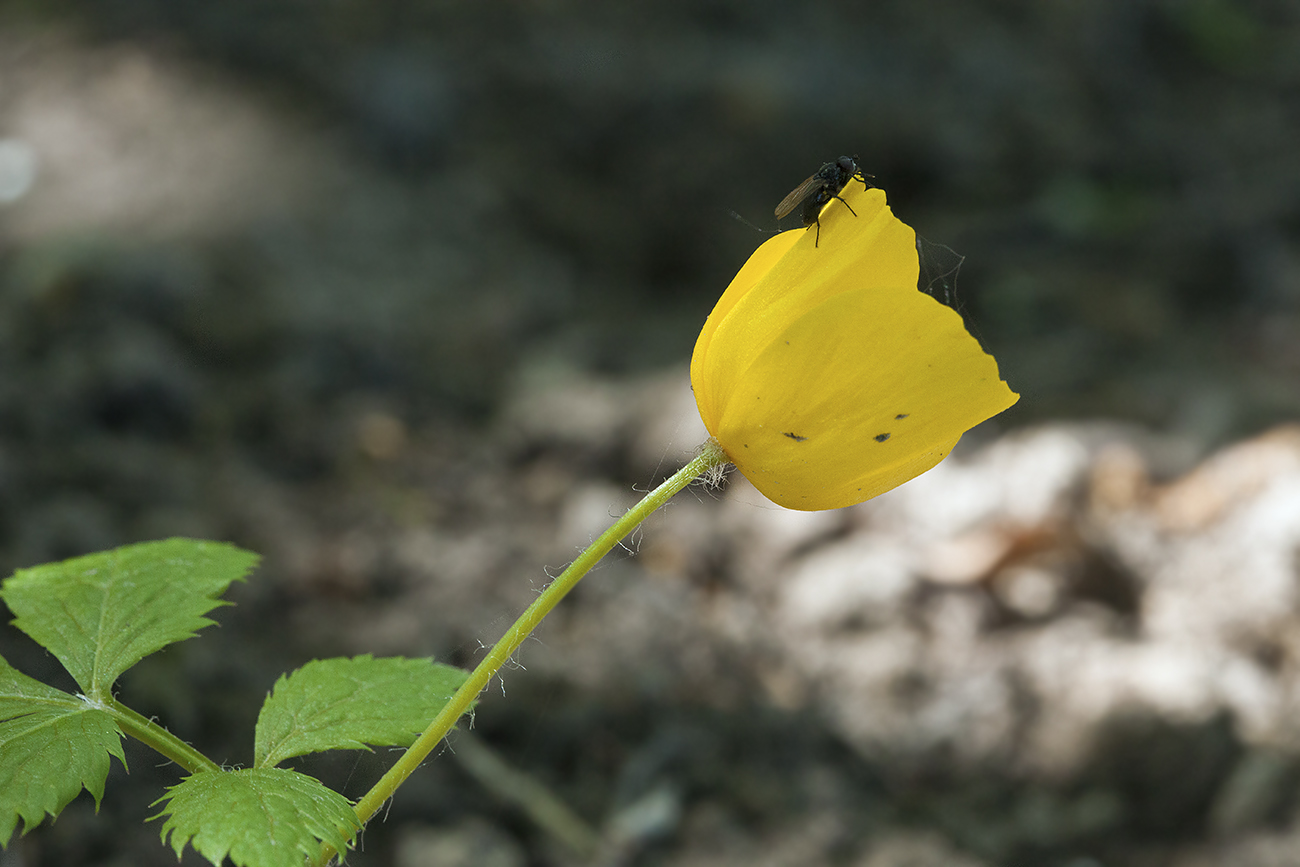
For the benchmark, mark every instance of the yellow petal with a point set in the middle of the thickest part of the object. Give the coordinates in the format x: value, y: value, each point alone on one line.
x: 792, y: 272
x: 826, y: 376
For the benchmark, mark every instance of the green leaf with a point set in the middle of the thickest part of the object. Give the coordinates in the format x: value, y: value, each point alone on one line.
x: 102, y: 613
x: 259, y: 817
x: 347, y: 704
x: 52, y: 745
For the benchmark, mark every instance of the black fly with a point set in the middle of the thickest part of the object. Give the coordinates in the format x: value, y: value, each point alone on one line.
x: 825, y: 184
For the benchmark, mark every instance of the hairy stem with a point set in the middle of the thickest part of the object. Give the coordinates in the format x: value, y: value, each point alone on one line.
x: 711, y: 456
x: 149, y: 732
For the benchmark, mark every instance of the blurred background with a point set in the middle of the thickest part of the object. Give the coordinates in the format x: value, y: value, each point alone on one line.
x: 402, y: 296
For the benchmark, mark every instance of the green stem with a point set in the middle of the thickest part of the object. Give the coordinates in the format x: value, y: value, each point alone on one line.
x: 149, y: 732
x: 711, y: 456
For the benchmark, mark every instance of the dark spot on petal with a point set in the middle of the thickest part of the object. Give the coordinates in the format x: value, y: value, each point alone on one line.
x: 799, y: 439
x: 900, y: 416
x: 880, y: 438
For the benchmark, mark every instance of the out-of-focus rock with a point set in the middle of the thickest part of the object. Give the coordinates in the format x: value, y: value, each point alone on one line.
x: 915, y: 850
x: 1003, y: 607
x: 125, y: 142
x: 471, y: 842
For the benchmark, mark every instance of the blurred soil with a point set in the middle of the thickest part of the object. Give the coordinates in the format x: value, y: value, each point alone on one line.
x: 401, y: 298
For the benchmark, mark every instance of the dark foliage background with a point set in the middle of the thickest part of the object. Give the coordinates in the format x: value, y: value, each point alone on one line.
x: 254, y: 253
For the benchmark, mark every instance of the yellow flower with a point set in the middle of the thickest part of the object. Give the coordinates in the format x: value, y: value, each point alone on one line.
x: 826, y: 376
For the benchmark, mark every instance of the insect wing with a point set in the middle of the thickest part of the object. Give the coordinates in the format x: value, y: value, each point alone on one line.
x: 799, y: 193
